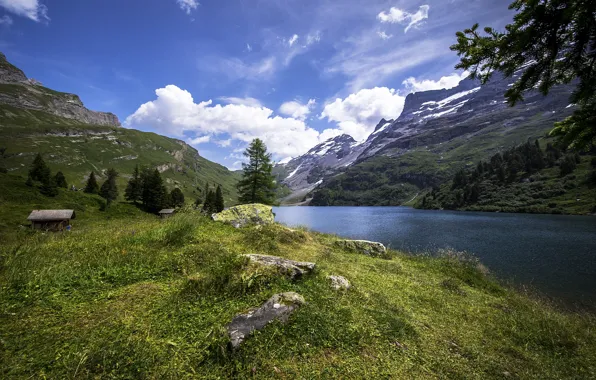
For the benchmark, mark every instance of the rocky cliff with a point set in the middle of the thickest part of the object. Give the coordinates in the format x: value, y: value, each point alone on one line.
x: 16, y: 90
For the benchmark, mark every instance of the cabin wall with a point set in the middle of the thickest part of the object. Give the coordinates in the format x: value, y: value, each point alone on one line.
x: 51, y: 225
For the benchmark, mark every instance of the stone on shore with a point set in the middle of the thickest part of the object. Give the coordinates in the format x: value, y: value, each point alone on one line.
x: 279, y: 307
x: 369, y: 248
x: 246, y: 215
x: 292, y: 269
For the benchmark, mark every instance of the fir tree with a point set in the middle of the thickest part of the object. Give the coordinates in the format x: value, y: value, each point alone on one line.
x: 134, y: 189
x: 109, y: 189
x: 177, y: 198
x: 552, y: 42
x: 209, y: 204
x: 154, y: 191
x: 257, y: 184
x: 219, y: 200
x: 48, y: 187
x: 29, y: 181
x: 567, y: 165
x: 91, y: 187
x: 60, y: 180
x: 39, y: 171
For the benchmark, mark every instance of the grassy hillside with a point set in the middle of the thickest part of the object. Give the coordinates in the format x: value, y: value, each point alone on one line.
x: 144, y: 298
x: 77, y: 149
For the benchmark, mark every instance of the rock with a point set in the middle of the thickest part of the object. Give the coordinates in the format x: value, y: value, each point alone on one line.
x: 339, y: 282
x: 290, y: 268
x: 279, y: 307
x: 369, y: 248
x: 245, y: 215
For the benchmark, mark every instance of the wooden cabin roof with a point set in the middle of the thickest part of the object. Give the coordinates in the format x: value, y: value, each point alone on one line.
x: 167, y: 211
x: 49, y: 215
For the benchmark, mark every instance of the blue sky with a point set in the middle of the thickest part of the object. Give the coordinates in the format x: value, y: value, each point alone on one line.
x: 217, y: 73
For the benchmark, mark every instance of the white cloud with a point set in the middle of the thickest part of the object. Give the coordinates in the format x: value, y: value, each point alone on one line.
x: 188, y: 5
x: 248, y: 101
x: 292, y: 40
x: 396, y: 15
x: 32, y: 9
x: 235, y: 68
x: 313, y: 38
x: 224, y: 143
x: 296, y: 109
x: 384, y: 35
x: 414, y: 85
x: 248, y: 47
x: 5, y: 20
x: 199, y: 140
x: 175, y: 112
x: 358, y: 114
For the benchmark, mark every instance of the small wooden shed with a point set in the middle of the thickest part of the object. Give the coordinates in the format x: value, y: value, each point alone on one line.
x: 54, y: 220
x: 166, y: 213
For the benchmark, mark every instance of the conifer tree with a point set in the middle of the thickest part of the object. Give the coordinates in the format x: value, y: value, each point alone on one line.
x: 257, y: 184
x: 60, y: 180
x: 177, y: 198
x: 39, y: 171
x: 154, y: 191
x: 109, y: 189
x: 551, y: 42
x: 48, y: 187
x: 219, y: 200
x: 92, y: 187
x: 209, y: 204
x: 134, y: 189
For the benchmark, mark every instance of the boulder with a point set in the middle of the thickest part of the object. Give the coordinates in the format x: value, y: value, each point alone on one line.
x: 290, y: 268
x: 246, y: 215
x: 369, y: 248
x: 279, y: 307
x: 339, y: 282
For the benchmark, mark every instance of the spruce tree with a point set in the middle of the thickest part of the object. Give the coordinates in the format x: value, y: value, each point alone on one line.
x: 134, y: 189
x: 154, y: 191
x: 219, y: 200
x: 60, y: 180
x: 209, y: 204
x: 177, y: 198
x: 109, y: 189
x: 552, y: 42
x: 92, y: 187
x: 257, y: 184
x: 39, y: 171
x: 48, y: 187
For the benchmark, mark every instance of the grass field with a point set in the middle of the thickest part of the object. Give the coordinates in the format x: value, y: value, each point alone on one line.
x: 126, y: 295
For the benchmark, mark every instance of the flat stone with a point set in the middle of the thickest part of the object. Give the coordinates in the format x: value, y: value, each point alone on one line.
x: 246, y: 215
x: 339, y: 282
x: 369, y: 248
x: 290, y: 268
x: 279, y: 307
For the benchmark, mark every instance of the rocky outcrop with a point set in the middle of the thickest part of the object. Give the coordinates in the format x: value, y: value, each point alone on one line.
x: 369, y: 248
x: 246, y: 215
x: 292, y: 269
x: 339, y: 282
x: 279, y: 307
x: 20, y: 92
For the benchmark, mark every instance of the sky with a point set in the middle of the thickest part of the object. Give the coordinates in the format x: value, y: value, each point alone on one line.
x: 219, y: 73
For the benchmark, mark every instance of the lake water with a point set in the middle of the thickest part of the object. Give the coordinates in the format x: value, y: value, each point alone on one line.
x: 554, y: 254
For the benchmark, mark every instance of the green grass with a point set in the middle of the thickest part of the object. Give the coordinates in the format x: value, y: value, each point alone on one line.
x: 145, y: 298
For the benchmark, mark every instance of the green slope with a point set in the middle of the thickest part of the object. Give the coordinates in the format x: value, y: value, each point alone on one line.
x: 136, y: 297
x: 76, y: 149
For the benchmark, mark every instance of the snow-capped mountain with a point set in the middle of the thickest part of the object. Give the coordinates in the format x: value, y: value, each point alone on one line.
x: 468, y: 112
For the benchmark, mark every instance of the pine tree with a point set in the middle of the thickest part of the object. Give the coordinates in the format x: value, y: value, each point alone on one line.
x: 109, y: 189
x: 134, y: 189
x: 257, y: 184
x: 552, y: 42
x: 60, y: 180
x: 219, y: 200
x: 177, y: 198
x: 39, y: 171
x: 154, y: 191
x: 209, y: 204
x: 92, y: 187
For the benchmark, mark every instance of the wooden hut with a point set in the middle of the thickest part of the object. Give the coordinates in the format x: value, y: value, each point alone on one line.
x: 53, y: 220
x: 166, y: 213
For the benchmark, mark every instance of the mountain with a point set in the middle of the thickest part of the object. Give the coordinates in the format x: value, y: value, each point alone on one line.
x: 76, y: 141
x: 437, y: 133
x: 19, y: 91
